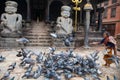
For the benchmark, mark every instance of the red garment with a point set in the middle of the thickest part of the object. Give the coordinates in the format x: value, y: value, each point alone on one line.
x: 106, y: 40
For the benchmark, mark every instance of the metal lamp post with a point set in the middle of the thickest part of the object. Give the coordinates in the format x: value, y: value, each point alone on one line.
x: 76, y: 8
x: 88, y: 7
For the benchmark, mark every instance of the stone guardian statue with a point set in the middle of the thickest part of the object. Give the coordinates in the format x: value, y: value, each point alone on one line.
x: 64, y: 23
x: 11, y: 22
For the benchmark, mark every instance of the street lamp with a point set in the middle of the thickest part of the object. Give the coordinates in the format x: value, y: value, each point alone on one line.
x: 76, y: 8
x: 88, y: 7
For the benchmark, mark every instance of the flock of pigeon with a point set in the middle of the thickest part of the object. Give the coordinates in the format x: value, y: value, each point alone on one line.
x: 54, y: 65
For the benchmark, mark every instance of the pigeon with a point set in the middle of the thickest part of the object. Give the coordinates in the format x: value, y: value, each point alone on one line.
x: 67, y: 42
x: 36, y: 75
x: 22, y: 64
x: 30, y: 68
x: 12, y: 66
x: 29, y: 61
x: 52, y: 50
x: 115, y: 59
x: 70, y: 39
x: 86, y: 78
x: 2, y: 58
x: 23, y: 40
x: 6, y: 76
x: 54, y: 35
x: 13, y: 78
x: 115, y: 78
x: 38, y: 72
x: 108, y: 78
x: 39, y: 58
x: 28, y: 74
x: 46, y: 79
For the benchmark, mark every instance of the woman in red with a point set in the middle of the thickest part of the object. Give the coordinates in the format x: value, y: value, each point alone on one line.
x: 110, y: 45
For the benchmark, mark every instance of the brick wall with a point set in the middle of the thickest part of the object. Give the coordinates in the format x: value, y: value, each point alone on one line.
x: 113, y: 20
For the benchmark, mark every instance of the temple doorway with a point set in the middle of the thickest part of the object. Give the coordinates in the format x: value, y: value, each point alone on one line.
x: 2, y: 6
x: 38, y: 8
x: 55, y: 10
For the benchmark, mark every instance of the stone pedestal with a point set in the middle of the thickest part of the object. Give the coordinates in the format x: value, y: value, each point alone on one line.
x: 60, y: 43
x: 9, y: 43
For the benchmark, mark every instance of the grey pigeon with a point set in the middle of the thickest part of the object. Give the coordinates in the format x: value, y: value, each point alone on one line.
x: 13, y: 78
x: 52, y: 49
x: 115, y: 78
x: 29, y: 61
x: 54, y: 35
x: 12, y: 66
x: 38, y: 72
x: 23, y: 41
x: 86, y: 78
x: 24, y: 52
x: 108, y: 78
x: 28, y: 74
x: 22, y: 64
x: 115, y: 59
x: 6, y: 76
x: 30, y: 68
x: 70, y: 39
x: 67, y: 42
x: 2, y: 58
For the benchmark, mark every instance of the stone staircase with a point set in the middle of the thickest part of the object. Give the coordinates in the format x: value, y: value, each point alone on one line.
x: 38, y: 35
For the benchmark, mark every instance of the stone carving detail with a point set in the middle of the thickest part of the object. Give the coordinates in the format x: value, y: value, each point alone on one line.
x: 11, y: 22
x: 64, y: 23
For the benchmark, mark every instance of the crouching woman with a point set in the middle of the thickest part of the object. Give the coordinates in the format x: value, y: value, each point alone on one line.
x: 110, y: 46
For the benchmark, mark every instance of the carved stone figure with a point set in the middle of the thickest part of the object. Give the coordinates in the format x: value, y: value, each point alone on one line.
x: 64, y: 23
x: 11, y: 22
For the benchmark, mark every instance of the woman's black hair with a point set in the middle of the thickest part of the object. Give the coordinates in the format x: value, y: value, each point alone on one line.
x: 107, y: 33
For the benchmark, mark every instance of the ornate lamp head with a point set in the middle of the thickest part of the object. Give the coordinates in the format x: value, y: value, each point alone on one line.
x: 88, y: 6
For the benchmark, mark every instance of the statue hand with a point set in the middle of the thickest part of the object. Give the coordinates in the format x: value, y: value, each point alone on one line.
x: 4, y: 22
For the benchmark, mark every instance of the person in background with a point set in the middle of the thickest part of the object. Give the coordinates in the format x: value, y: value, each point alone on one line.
x: 110, y: 45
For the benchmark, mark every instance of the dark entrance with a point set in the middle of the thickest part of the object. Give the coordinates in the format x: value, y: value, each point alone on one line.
x: 55, y: 10
x: 2, y: 6
x: 38, y: 8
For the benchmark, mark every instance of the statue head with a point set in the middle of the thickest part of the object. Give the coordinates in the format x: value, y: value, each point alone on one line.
x: 11, y: 7
x: 65, y: 11
x: 65, y: 14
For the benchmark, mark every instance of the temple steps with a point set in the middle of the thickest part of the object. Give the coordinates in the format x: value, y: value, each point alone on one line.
x: 38, y: 35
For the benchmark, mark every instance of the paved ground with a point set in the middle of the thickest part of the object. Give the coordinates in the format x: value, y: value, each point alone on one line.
x: 18, y: 72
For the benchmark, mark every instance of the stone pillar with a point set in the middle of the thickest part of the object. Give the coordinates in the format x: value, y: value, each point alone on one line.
x: 99, y: 20
x: 28, y: 11
x: 94, y: 15
x: 81, y: 17
x: 88, y: 7
x: 47, y: 11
